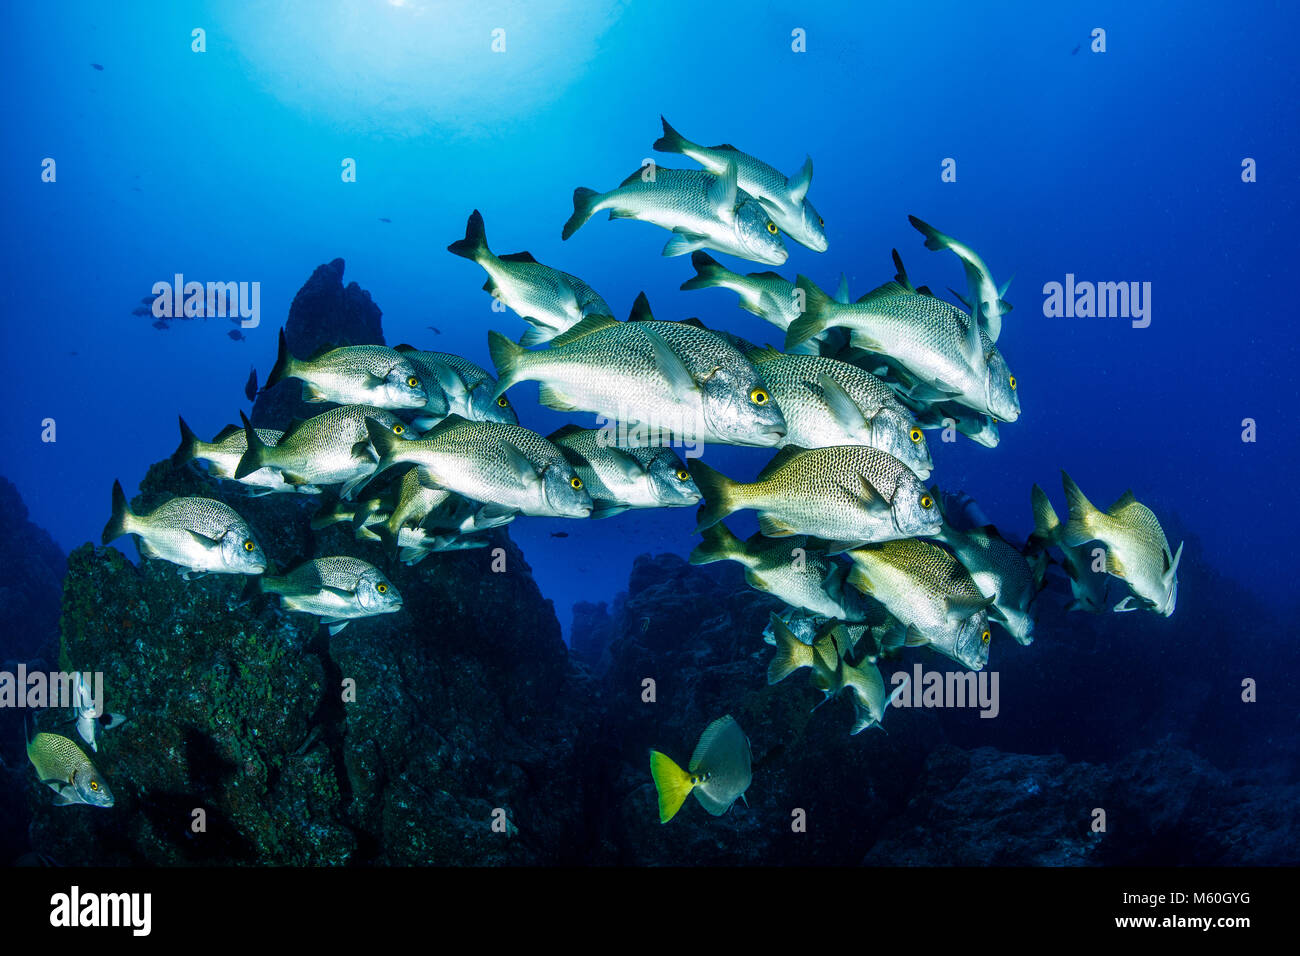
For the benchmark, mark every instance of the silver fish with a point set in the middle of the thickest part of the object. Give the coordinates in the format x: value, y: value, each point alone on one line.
x: 469, y: 390
x: 199, y: 534
x: 983, y: 292
x: 702, y: 209
x: 785, y: 198
x: 335, y: 589
x: 619, y: 479
x: 352, y: 375
x: 222, y: 455
x: 1088, y: 586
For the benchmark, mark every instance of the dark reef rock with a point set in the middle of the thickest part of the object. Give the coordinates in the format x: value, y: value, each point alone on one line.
x: 323, y: 314
x: 591, y: 635
x: 33, y: 567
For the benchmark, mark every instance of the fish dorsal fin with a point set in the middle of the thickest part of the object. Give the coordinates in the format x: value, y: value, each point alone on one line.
x: 564, y: 431
x: 592, y: 323
x: 641, y: 309
x: 780, y: 460
x: 925, y: 290
x: 451, y: 421
x: 695, y: 323
x: 635, y: 177
x: 711, y: 735
x: 226, y: 433
x: 889, y: 288
x: 842, y: 290
x: 798, y: 183
x: 901, y: 276
x: 764, y: 353
x: 722, y: 193
x: 518, y: 257
x: 328, y: 347
x: 769, y: 274
x: 1124, y: 501
x: 405, y: 348
x: 725, y: 146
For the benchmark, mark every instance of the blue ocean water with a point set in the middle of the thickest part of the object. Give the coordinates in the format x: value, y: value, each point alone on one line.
x: 224, y: 165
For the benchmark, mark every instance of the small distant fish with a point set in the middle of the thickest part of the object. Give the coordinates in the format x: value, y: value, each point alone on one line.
x: 64, y: 767
x: 434, y: 329
x: 141, y: 310
x: 148, y: 300
x: 720, y: 771
x: 1075, y: 50
x: 98, y: 67
x: 384, y: 219
x: 160, y: 324
x: 335, y: 589
x: 559, y: 534
x: 250, y: 387
x: 237, y: 335
x: 199, y: 534
x: 90, y: 722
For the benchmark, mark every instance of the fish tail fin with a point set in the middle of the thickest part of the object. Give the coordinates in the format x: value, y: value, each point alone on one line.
x: 1046, y: 523
x: 672, y: 783
x: 506, y: 356
x: 671, y: 141
x: 584, y: 207
x: 185, y: 452
x: 791, y: 653
x: 255, y: 457
x: 120, y: 523
x: 283, y: 367
x: 717, y: 489
x: 817, y: 313
x: 709, y: 272
x: 474, y: 246
x: 1083, y: 515
x: 719, y: 544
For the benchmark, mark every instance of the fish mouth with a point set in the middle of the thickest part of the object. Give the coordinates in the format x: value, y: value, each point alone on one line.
x: 771, y: 436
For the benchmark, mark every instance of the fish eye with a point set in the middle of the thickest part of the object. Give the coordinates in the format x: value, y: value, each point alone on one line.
x: 985, y: 637
x: 758, y: 396
x: 398, y: 429
x: 575, y: 483
x: 993, y: 420
x: 915, y: 434
x: 381, y: 588
x: 927, y: 502
x: 821, y: 222
x: 249, y: 546
x: 94, y: 785
x: 503, y: 402
x: 771, y: 227
x: 413, y: 382
x: 683, y: 474
x: 1012, y: 380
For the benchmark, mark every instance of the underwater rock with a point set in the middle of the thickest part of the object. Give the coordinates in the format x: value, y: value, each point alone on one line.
x: 31, y: 579
x: 591, y: 635
x: 323, y: 314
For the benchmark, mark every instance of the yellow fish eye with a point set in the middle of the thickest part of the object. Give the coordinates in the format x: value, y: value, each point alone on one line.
x: 915, y: 434
x: 771, y: 227
x: 927, y: 502
x: 758, y: 396
x: 1013, y: 383
x: 381, y: 588
x: 249, y: 546
x: 94, y: 785
x: 503, y: 402
x: 986, y: 637
x: 993, y: 420
x: 575, y: 483
x: 821, y: 222
x: 413, y: 382
x: 683, y: 474
x: 398, y: 429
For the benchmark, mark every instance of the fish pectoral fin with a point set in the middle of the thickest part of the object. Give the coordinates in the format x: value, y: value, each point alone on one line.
x: 203, y: 541
x: 914, y: 638
x: 627, y: 466
x: 722, y: 192
x: 192, y: 575
x: 670, y: 365
x: 774, y: 527
x: 520, y: 465
x: 310, y: 393
x: 843, y: 409
x: 552, y: 397
x: 683, y: 243
x: 960, y: 608
x: 335, y: 626
x: 1113, y: 564
x: 1126, y: 605
x: 1173, y: 570
x: 798, y: 184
